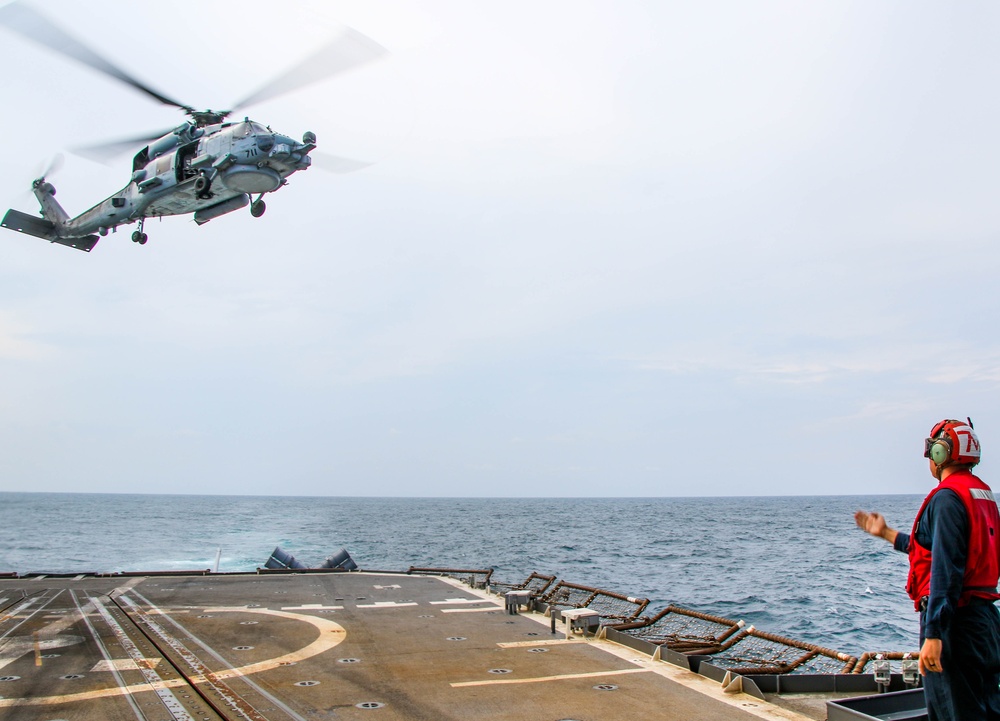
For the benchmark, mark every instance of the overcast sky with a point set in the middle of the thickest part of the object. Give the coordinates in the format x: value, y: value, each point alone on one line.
x: 605, y: 249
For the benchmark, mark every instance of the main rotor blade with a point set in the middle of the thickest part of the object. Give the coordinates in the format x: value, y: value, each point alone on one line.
x: 347, y: 51
x: 103, y: 152
x: 336, y: 164
x: 37, y: 27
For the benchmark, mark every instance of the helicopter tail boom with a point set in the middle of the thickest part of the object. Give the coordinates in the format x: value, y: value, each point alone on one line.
x: 46, y: 194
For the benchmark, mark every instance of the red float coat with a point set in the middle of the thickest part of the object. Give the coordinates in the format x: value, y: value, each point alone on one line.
x: 982, y: 569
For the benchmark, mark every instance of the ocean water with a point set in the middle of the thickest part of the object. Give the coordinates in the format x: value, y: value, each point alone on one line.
x: 796, y: 566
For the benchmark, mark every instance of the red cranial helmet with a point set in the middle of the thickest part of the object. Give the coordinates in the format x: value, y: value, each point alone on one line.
x: 951, y: 442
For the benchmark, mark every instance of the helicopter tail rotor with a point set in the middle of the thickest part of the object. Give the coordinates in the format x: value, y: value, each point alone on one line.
x: 45, y: 171
x: 41, y: 174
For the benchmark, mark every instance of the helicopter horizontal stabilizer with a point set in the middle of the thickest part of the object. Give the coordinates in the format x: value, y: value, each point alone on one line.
x: 30, y: 224
x: 45, y: 229
x: 86, y: 243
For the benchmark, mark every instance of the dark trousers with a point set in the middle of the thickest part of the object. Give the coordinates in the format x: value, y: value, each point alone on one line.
x: 967, y: 688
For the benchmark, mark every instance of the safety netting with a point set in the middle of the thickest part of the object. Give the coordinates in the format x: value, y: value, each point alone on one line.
x: 724, y: 642
x: 536, y: 583
x: 755, y: 652
x: 684, y: 630
x: 614, y: 608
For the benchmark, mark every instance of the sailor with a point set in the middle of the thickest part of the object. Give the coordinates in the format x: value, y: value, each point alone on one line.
x: 954, y: 551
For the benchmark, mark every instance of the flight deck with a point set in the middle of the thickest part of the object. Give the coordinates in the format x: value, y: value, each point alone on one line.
x: 334, y: 645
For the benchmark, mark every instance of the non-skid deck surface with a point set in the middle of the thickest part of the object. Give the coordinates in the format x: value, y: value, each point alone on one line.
x: 372, y: 647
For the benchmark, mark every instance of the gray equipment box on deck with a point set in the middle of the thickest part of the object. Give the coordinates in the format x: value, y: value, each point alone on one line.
x: 894, y: 706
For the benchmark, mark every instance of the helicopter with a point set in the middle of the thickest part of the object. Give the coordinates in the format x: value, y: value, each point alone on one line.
x: 207, y: 166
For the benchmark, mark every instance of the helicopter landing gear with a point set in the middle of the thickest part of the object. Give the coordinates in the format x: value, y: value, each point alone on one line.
x: 258, y: 207
x: 203, y: 187
x: 138, y: 236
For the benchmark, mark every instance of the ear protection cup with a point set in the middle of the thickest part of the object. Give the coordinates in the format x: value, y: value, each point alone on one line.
x: 940, y: 451
x: 952, y: 441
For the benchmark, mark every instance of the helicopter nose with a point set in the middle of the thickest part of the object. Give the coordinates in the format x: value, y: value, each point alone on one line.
x: 265, y: 142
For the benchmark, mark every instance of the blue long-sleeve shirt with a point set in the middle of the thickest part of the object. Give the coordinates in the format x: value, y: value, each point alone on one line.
x: 943, y: 529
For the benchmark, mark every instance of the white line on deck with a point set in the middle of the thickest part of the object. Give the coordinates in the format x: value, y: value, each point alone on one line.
x: 155, y: 681
x: 312, y: 607
x: 125, y: 664
x: 331, y: 634
x: 542, y: 679
x: 540, y: 642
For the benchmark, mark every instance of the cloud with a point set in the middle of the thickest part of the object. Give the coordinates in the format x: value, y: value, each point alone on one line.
x: 918, y: 361
x: 17, y: 343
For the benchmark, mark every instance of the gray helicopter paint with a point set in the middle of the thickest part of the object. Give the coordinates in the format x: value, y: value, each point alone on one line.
x: 244, y: 155
x: 206, y: 166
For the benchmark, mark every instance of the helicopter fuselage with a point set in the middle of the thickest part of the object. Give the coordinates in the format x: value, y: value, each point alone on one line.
x: 206, y: 167
x: 205, y: 170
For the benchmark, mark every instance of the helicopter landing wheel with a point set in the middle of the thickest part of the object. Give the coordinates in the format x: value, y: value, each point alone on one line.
x: 139, y: 237
x: 257, y: 208
x: 202, y: 186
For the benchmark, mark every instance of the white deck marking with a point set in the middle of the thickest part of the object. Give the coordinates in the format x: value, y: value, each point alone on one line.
x: 471, y: 610
x: 541, y: 642
x: 84, y: 612
x: 66, y: 620
x: 312, y: 607
x: 13, y: 648
x: 699, y: 684
x: 331, y: 634
x: 153, y: 680
x: 543, y: 679
x: 386, y: 604
x: 228, y: 695
x: 24, y: 607
x: 42, y: 640
x: 685, y: 677
x: 453, y: 601
x: 214, y: 654
x: 125, y: 664
x: 129, y: 585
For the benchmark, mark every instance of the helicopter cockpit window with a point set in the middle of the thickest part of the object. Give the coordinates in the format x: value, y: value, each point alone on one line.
x: 249, y: 128
x: 140, y: 159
